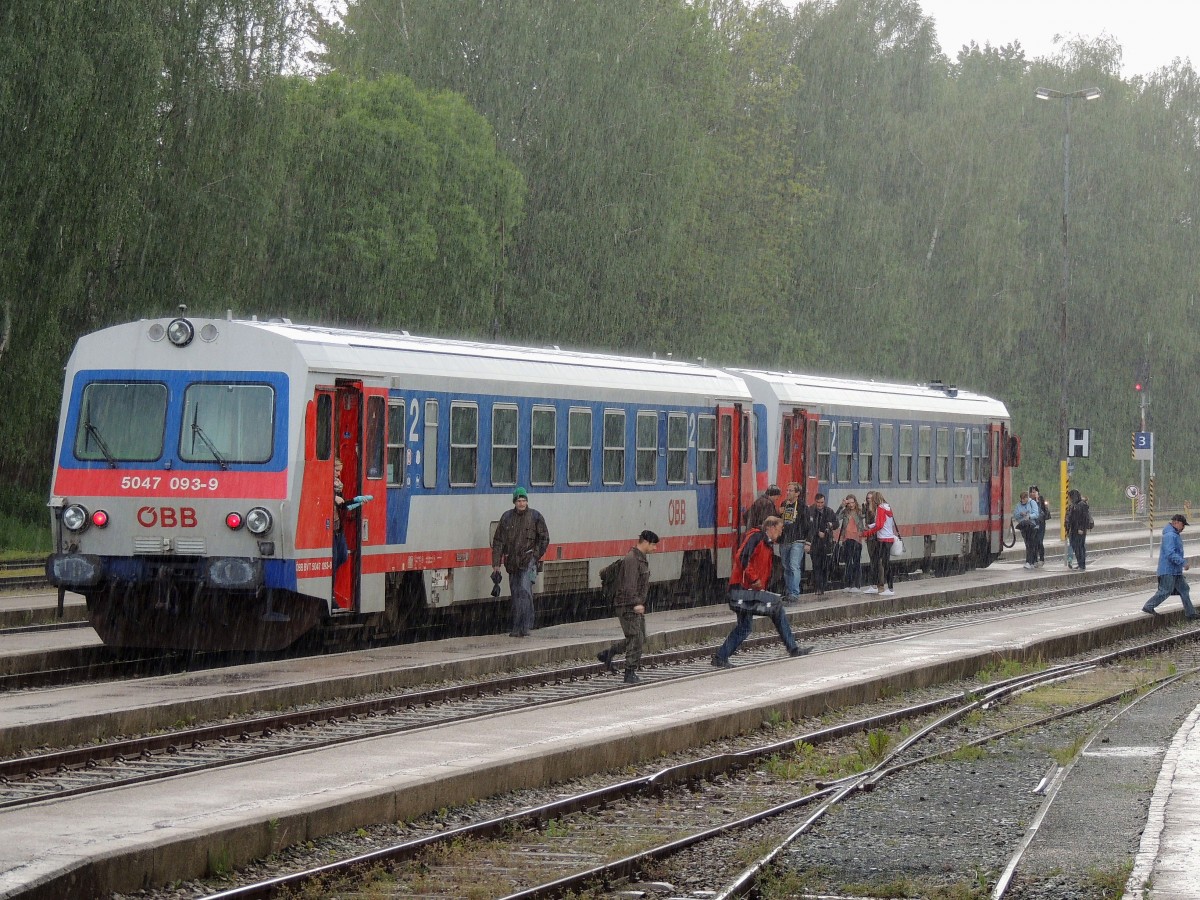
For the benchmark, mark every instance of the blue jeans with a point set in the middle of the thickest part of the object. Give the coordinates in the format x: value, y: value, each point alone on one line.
x: 745, y: 624
x: 520, y: 583
x: 1168, y: 585
x: 793, y: 567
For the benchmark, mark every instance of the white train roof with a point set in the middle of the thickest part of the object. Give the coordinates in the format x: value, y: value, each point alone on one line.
x: 832, y: 394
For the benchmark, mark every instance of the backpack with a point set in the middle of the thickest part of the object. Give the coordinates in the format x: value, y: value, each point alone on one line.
x: 609, y: 576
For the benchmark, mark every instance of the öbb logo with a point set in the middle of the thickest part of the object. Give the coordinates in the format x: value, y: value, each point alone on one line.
x: 166, y: 517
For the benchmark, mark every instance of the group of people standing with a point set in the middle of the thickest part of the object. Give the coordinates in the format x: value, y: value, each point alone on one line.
x: 1032, y: 513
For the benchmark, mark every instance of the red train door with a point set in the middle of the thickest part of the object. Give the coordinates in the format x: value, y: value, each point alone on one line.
x: 729, y: 479
x: 998, y: 485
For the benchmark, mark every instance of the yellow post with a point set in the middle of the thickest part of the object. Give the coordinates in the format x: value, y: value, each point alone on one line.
x: 1065, y: 481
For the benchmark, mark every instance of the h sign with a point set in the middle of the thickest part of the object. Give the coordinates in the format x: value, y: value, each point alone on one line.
x: 1078, y: 441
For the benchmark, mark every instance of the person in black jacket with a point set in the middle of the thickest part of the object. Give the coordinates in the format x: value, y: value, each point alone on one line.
x: 1044, y: 509
x: 519, y: 544
x: 820, y: 530
x: 1078, y: 522
x: 633, y: 585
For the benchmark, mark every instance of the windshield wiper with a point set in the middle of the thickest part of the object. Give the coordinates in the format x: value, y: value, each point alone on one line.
x: 198, y: 432
x: 93, y: 431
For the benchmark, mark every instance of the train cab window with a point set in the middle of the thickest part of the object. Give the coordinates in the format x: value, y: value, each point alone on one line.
x: 121, y: 421
x: 925, y: 452
x: 542, y: 445
x: 824, y: 452
x: 866, y: 453
x: 887, y: 451
x: 745, y: 454
x: 375, y: 437
x: 726, y: 446
x: 395, y: 443
x: 960, y: 454
x: 464, y: 444
x: 942, y: 472
x: 677, y: 448
x: 978, y: 450
x: 579, y: 446
x: 614, y: 445
x: 227, y: 422
x: 706, y: 449
x: 429, y: 445
x: 905, y: 474
x: 504, y: 445
x: 845, y: 451
x: 647, y: 447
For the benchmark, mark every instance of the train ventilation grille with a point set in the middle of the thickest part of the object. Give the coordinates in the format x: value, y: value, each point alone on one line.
x: 565, y: 577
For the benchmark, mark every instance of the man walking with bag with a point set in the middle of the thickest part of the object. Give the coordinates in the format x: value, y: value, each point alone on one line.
x: 1171, y: 566
x: 633, y: 584
x: 519, y: 544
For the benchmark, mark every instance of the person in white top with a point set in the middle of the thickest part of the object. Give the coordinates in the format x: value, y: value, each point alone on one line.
x: 883, y: 529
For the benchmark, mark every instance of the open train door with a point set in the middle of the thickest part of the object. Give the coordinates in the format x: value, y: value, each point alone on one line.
x: 729, y: 479
x: 806, y: 456
x: 793, y: 454
x: 998, y: 487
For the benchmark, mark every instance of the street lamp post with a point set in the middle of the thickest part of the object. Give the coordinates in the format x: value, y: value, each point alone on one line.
x: 1066, y: 97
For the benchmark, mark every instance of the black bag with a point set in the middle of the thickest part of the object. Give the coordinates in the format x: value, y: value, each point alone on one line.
x: 608, y: 578
x: 757, y: 603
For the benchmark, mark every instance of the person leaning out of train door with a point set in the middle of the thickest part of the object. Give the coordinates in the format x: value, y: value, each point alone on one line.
x: 752, y: 563
x: 883, y: 529
x: 1043, y: 520
x: 1171, y: 565
x: 341, y: 552
x: 1078, y: 522
x: 791, y: 543
x: 1025, y: 519
x: 519, y: 543
x: 633, y: 586
x: 820, y: 528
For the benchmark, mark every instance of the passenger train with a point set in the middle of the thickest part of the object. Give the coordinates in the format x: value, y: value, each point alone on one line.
x: 192, y: 494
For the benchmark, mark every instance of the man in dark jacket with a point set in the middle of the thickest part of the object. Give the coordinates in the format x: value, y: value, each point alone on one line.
x: 519, y: 543
x: 1078, y: 521
x: 762, y: 507
x: 820, y: 529
x: 633, y: 584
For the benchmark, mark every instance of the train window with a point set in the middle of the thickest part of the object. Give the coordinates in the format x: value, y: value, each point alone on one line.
x: 745, y: 438
x: 464, y: 444
x: 542, y: 446
x: 375, y: 442
x: 429, y: 447
x: 677, y: 448
x: 925, y: 452
x: 905, y: 474
x: 324, y: 426
x: 986, y: 465
x: 978, y: 452
x: 227, y: 422
x: 395, y: 443
x: 866, y: 453
x: 121, y: 421
x: 614, y: 446
x: 887, y: 450
x: 960, y: 454
x: 942, y: 449
x: 785, y: 437
x: 504, y: 445
x: 845, y: 451
x: 579, y: 446
x: 647, y: 447
x: 706, y: 449
x: 726, y: 446
x: 824, y: 452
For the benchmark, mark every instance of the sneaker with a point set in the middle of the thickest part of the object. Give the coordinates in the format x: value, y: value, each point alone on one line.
x: 1150, y: 612
x: 853, y: 590
x: 870, y: 590
x: 800, y: 651
x: 721, y: 663
x: 888, y: 593
x: 1040, y: 563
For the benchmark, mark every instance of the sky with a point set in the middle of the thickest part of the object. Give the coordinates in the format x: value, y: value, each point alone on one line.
x: 1151, y: 32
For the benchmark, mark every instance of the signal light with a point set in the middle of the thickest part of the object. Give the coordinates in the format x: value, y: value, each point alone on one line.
x: 99, y: 518
x: 1137, y: 386
x: 234, y: 521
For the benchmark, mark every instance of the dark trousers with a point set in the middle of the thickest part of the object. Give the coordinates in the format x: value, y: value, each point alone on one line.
x: 1079, y: 548
x: 745, y: 624
x: 1029, y: 536
x: 820, y: 554
x: 1172, y: 584
x: 633, y: 626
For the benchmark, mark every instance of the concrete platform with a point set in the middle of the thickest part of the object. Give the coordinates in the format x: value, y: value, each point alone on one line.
x: 146, y: 835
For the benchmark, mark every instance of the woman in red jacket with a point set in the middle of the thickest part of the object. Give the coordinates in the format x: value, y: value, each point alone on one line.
x: 883, y: 529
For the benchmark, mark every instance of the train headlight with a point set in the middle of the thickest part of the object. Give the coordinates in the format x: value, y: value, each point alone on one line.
x: 180, y: 332
x: 258, y: 521
x: 234, y: 521
x: 75, y: 518
x: 99, y: 518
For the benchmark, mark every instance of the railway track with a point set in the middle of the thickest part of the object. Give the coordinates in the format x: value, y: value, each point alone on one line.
x: 177, y: 751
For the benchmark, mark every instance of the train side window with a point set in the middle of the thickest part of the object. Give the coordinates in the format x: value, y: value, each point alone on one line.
x: 429, y: 448
x: 745, y: 438
x: 866, y: 453
x: 978, y: 451
x: 925, y: 452
x: 942, y: 473
x: 677, y: 448
x: 824, y: 451
x: 464, y: 444
x: 845, y: 451
x: 906, y: 454
x: 395, y: 443
x: 579, y: 446
x: 647, y: 448
x: 504, y: 445
x: 614, y: 446
x: 375, y: 437
x: 706, y: 449
x: 324, y: 426
x: 960, y: 454
x: 785, y: 436
x: 542, y: 446
x: 887, y: 451
x: 726, y: 446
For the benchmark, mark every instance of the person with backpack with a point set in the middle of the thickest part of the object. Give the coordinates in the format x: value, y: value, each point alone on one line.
x: 1079, y: 522
x: 633, y: 586
x: 751, y: 572
x: 520, y: 542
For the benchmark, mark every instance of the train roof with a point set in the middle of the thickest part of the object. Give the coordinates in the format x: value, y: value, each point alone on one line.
x: 825, y: 392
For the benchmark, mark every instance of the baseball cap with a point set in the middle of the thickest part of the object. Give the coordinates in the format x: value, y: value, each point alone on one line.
x: 1180, y: 517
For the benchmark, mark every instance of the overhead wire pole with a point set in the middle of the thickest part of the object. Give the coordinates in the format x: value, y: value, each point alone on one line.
x: 1063, y: 334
